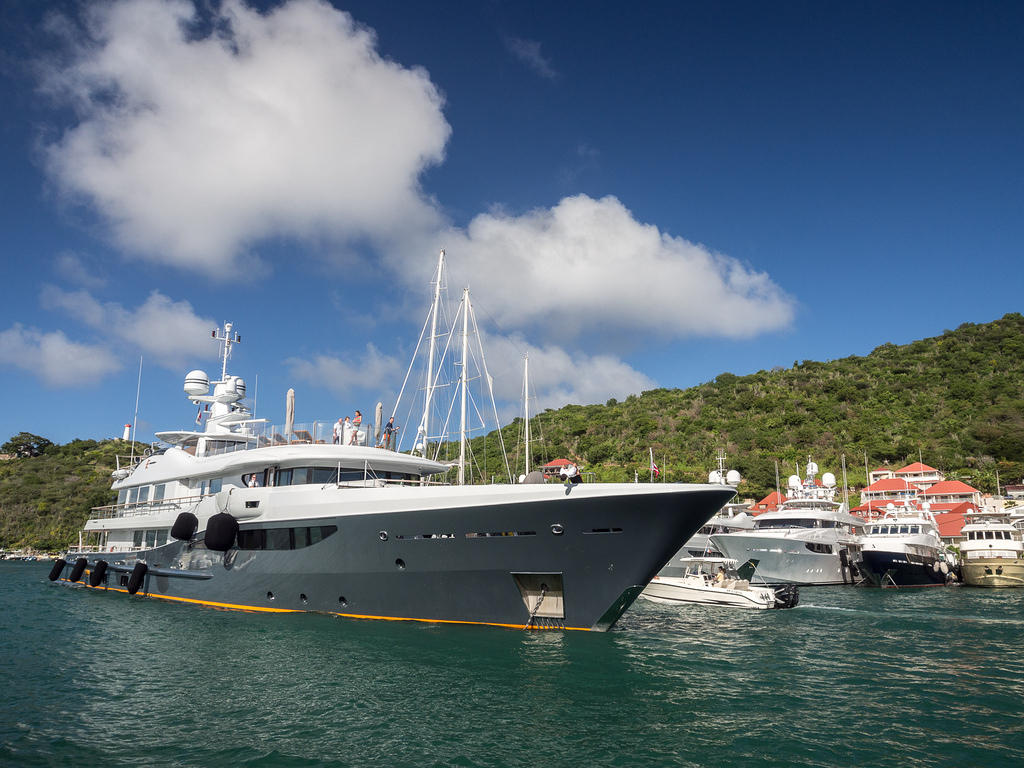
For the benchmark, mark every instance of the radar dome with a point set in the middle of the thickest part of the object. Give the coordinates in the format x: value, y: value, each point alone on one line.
x: 812, y: 468
x: 197, y: 383
x: 890, y: 506
x: 714, y: 476
x: 828, y: 480
x: 733, y: 477
x: 240, y: 385
x: 794, y: 481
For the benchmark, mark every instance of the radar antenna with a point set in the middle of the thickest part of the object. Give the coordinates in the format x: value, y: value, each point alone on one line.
x: 227, y: 339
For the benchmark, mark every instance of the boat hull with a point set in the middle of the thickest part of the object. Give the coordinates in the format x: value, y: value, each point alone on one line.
x: 676, y: 591
x: 564, y: 557
x: 994, y: 572
x: 788, y: 559
x: 902, y: 569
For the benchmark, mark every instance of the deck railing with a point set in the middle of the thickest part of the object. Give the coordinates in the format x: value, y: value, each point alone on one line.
x: 142, y: 508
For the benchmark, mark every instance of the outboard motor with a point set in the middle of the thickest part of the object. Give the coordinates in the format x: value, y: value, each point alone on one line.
x: 787, y: 596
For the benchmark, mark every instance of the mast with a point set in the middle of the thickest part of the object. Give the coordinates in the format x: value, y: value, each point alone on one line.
x: 526, y: 408
x: 462, y: 385
x: 425, y: 423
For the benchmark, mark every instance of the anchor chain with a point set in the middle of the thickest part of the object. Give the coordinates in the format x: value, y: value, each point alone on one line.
x: 533, y: 613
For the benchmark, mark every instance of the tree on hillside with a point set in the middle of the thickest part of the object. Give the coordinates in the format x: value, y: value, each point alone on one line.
x: 26, y: 444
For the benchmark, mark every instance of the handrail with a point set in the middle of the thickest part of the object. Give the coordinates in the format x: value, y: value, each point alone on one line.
x: 140, y: 508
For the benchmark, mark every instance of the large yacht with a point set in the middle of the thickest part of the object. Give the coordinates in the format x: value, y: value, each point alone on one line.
x: 992, y: 552
x: 248, y: 516
x: 810, y: 539
x: 904, y: 549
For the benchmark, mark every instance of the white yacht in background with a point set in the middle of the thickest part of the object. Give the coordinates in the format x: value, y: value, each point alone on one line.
x: 904, y: 549
x: 731, y: 517
x: 243, y: 515
x: 810, y: 539
x: 991, y: 551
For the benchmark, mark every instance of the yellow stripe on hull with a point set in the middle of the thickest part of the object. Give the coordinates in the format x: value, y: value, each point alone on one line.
x: 262, y: 609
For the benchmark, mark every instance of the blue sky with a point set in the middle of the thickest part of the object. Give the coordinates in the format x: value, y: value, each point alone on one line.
x: 638, y: 197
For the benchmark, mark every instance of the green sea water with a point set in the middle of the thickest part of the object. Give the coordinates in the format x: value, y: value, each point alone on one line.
x: 851, y: 677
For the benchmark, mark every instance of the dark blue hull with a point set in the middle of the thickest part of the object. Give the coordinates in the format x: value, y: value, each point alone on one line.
x: 902, y: 569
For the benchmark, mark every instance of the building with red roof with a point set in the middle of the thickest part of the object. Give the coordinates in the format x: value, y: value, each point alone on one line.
x: 920, y: 475
x: 952, y: 492
x: 880, y: 473
x: 769, y: 503
x: 890, y: 489
x: 553, y: 467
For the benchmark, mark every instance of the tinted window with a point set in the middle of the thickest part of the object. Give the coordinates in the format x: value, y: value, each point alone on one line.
x: 283, y: 538
x: 279, y: 538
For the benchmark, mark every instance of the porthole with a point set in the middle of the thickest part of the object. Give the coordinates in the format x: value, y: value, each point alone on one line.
x: 400, y: 563
x: 342, y: 601
x: 557, y: 529
x: 304, y: 599
x: 383, y: 535
x: 270, y: 595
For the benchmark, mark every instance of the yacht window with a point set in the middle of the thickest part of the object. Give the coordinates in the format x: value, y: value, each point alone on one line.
x: 163, y: 536
x: 323, y: 475
x: 158, y: 492
x: 904, y: 529
x: 133, y: 495
x: 790, y: 522
x: 279, y: 538
x: 283, y: 538
x: 216, y: 484
x: 283, y: 477
x: 137, y: 538
x: 150, y: 539
x: 122, y: 496
x: 1002, y: 535
x: 915, y: 529
x: 144, y: 493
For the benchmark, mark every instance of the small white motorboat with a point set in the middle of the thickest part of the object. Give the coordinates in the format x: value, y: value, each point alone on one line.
x: 714, y: 581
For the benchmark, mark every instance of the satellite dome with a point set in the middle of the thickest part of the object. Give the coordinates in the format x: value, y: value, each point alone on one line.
x: 733, y: 477
x: 890, y: 506
x: 794, y: 481
x: 828, y: 480
x: 197, y: 383
x: 812, y: 468
x: 715, y: 476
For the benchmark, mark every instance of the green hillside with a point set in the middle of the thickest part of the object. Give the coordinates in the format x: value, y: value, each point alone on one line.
x: 957, y: 400
x: 45, y: 498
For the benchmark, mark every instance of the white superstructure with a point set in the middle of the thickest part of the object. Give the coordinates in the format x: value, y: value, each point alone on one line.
x: 810, y: 539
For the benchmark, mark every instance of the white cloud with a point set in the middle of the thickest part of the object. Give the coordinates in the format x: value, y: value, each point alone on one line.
x: 528, y: 52
x: 55, y: 359
x: 166, y: 331
x: 373, y: 370
x: 558, y: 377
x: 287, y: 123
x: 73, y: 268
x: 589, y: 265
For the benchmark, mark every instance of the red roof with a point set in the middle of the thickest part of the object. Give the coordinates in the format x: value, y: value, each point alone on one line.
x: 556, y: 463
x: 949, y: 486
x: 881, y: 469
x: 950, y: 517
x: 916, y: 467
x: 891, y: 484
x: 769, y: 503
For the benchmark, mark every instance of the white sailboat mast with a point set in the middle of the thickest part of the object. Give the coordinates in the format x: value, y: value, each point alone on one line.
x: 526, y: 409
x: 462, y: 385
x: 425, y: 424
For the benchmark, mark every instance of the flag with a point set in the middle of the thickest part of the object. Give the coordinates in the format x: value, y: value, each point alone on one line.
x: 654, y: 470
